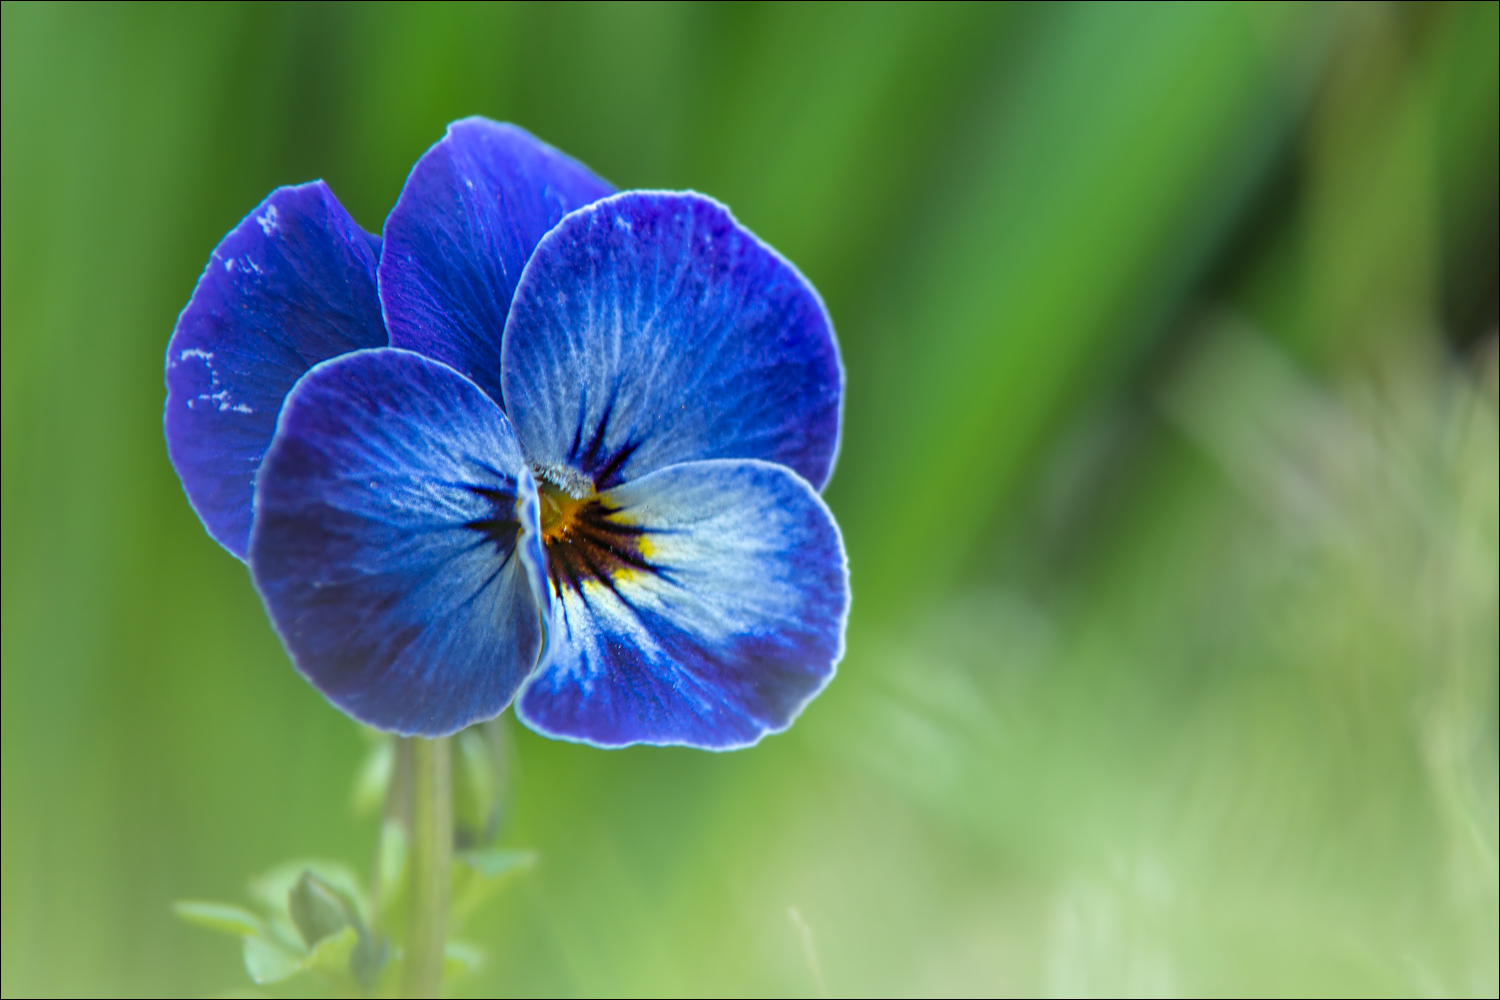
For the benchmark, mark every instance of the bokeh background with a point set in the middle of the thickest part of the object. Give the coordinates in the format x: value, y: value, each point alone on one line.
x: 1169, y: 482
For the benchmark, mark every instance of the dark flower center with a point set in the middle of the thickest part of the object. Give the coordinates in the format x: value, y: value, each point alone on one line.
x: 586, y: 538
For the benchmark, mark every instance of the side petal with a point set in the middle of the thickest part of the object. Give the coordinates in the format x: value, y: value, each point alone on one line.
x: 290, y: 286
x: 465, y: 225
x: 722, y: 617
x: 389, y: 544
x: 651, y: 328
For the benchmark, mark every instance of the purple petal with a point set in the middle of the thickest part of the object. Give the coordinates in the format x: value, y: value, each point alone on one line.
x: 704, y: 604
x: 290, y: 286
x: 395, y: 543
x: 651, y: 329
x: 467, y: 221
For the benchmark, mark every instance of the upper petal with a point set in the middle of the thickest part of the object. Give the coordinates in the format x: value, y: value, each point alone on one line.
x: 395, y: 521
x: 290, y: 286
x: 651, y: 328
x: 467, y: 221
x: 709, y: 610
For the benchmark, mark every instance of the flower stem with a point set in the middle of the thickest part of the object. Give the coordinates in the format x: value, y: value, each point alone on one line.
x: 429, y: 860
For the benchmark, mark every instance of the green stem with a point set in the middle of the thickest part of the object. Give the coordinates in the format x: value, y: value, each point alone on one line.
x: 429, y: 861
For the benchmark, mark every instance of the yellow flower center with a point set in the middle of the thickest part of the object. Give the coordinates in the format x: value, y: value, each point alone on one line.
x: 588, y: 541
x: 560, y: 512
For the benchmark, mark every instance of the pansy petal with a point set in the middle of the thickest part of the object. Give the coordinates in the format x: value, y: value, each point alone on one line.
x: 386, y: 545
x: 290, y: 286
x: 651, y: 328
x: 467, y: 221
x: 705, y: 607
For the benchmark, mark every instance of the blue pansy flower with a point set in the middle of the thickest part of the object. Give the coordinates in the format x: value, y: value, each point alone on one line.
x: 542, y: 443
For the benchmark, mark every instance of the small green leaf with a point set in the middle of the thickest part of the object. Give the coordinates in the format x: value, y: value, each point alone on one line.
x: 367, y: 961
x: 272, y: 888
x: 225, y: 917
x: 317, y: 910
x: 461, y: 958
x: 391, y: 862
x: 476, y: 791
x: 374, y: 775
x: 493, y: 862
x: 332, y: 954
x: 480, y: 875
x: 386, y: 982
x: 269, y: 962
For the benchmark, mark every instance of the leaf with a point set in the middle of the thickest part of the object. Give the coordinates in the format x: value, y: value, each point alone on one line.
x: 367, y: 960
x: 482, y: 873
x: 271, y: 888
x: 317, y: 910
x: 374, y: 775
x: 493, y: 862
x: 391, y: 862
x: 224, y: 917
x: 478, y: 774
x: 269, y: 962
x: 461, y: 958
x: 331, y: 955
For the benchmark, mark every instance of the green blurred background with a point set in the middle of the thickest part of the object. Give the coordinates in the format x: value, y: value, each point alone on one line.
x: 1169, y: 482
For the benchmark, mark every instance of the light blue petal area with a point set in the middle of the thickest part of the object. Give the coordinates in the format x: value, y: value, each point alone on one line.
x: 385, y: 543
x: 651, y: 328
x: 533, y: 555
x: 290, y: 286
x: 737, y: 625
x: 463, y: 229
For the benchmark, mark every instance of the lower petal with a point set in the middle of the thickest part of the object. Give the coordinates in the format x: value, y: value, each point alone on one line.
x: 723, y: 620
x: 395, y: 520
